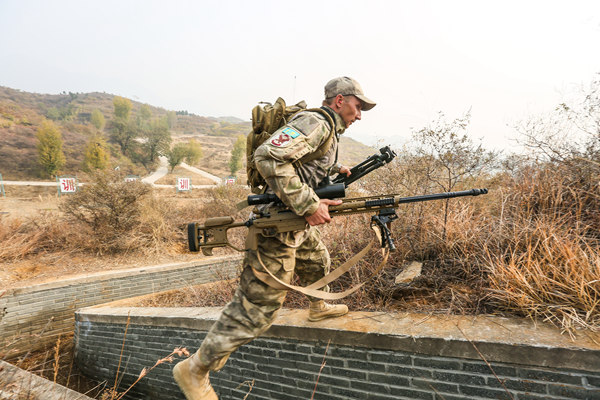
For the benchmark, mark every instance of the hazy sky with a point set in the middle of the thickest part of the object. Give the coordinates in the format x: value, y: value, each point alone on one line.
x: 503, y: 60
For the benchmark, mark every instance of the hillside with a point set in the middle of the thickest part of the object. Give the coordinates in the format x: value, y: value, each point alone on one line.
x: 21, y: 114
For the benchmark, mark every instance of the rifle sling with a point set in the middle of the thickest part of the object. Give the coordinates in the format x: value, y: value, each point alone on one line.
x: 312, y: 290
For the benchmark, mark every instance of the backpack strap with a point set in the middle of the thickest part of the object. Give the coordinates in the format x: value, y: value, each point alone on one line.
x: 313, y: 290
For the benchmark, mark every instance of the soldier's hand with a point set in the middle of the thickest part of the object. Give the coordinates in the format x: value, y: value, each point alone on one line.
x: 345, y: 170
x: 321, y: 216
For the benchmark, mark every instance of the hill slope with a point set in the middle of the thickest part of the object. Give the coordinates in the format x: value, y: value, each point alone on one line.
x: 21, y: 114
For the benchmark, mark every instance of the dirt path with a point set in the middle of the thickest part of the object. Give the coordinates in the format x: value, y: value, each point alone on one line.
x: 162, y: 170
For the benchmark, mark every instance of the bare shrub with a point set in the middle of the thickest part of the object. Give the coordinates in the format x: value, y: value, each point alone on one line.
x: 118, y: 215
x: 223, y: 199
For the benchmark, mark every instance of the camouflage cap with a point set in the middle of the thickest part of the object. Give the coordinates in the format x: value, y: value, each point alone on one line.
x: 347, y: 86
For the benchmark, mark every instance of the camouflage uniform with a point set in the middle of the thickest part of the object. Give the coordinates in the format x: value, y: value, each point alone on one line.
x: 255, y: 305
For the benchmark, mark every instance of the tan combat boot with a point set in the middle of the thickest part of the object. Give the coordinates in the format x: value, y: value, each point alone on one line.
x: 193, y: 380
x: 320, y: 310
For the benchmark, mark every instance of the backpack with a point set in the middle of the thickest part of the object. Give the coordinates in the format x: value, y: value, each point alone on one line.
x: 267, y: 119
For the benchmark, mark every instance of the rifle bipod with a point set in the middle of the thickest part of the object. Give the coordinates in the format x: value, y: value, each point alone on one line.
x: 383, y: 221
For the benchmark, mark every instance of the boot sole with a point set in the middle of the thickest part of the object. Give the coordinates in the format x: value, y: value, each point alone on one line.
x: 315, y: 319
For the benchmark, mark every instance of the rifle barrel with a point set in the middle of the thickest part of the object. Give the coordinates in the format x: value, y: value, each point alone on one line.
x: 376, y: 203
x: 438, y: 196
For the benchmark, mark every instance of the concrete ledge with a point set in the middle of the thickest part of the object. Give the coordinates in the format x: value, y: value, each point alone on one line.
x: 506, y: 340
x: 32, y: 316
x: 115, y: 274
x: 16, y: 383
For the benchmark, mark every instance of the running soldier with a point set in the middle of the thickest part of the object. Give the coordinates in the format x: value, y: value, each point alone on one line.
x: 255, y: 304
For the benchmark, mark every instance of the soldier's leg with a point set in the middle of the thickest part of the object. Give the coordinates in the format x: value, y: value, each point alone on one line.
x: 312, y: 259
x: 254, y: 305
x: 313, y: 263
x: 251, y: 312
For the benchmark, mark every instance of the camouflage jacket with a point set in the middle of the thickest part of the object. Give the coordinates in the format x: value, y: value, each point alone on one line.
x: 275, y: 159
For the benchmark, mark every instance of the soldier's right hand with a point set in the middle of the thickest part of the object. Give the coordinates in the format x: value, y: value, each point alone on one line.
x: 321, y: 216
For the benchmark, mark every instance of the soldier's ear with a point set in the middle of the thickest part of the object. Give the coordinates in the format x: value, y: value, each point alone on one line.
x: 338, y: 102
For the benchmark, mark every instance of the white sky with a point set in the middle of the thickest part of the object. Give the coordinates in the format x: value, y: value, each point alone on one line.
x: 503, y: 60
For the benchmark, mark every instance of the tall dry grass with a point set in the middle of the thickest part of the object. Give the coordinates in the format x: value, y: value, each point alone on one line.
x: 547, y: 272
x: 544, y: 255
x: 26, y: 237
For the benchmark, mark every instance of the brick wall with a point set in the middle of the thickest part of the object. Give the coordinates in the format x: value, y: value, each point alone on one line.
x: 367, y: 356
x: 33, y: 316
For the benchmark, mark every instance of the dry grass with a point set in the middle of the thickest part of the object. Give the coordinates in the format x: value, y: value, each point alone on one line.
x: 56, y: 363
x: 555, y: 279
x: 544, y: 260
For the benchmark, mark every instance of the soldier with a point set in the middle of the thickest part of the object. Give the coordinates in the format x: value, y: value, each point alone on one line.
x: 255, y: 304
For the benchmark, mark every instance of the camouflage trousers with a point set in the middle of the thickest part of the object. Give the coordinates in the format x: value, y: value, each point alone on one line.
x: 255, y: 305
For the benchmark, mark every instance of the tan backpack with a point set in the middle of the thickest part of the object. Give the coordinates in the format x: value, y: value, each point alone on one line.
x: 266, y: 119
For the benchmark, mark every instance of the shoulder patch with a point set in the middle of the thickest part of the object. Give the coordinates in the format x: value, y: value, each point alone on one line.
x: 292, y: 132
x: 281, y: 140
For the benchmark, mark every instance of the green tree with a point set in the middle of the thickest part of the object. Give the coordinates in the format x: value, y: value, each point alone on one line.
x: 190, y: 152
x: 145, y: 113
x: 96, y: 155
x: 97, y: 119
x: 171, y: 119
x: 177, y: 154
x: 157, y: 139
x: 122, y: 107
x: 194, y: 152
x: 237, y: 154
x: 123, y: 132
x: 49, y: 146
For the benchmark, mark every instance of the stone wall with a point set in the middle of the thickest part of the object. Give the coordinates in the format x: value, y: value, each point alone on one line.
x: 33, y: 316
x: 359, y: 356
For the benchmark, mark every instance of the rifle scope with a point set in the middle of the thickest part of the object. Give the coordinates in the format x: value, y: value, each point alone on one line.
x: 335, y: 191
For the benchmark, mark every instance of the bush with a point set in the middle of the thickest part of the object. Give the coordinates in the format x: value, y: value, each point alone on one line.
x: 114, y: 213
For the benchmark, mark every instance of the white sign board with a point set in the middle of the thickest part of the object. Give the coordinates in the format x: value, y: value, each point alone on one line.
x: 67, y: 185
x: 229, y: 181
x: 131, y: 178
x: 184, y: 184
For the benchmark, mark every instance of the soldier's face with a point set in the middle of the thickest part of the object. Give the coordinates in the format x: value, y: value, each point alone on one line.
x: 350, y: 110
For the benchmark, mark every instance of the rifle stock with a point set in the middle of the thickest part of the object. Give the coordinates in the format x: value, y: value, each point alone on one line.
x: 213, y: 233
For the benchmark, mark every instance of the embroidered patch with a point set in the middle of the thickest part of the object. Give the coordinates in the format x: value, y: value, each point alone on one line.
x: 292, y: 132
x: 282, y: 140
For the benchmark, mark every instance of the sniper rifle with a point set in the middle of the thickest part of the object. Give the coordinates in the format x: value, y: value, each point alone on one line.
x: 213, y: 233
